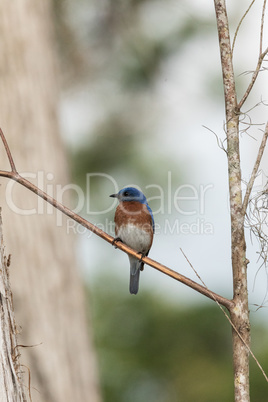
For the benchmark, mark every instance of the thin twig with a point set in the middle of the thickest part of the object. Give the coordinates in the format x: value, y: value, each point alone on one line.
x: 219, y: 141
x: 229, y: 319
x: 10, y: 158
x: 29, y: 382
x: 262, y: 25
x: 256, y: 219
x: 253, y: 80
x: 240, y: 23
x: 259, y: 64
x: 255, y: 170
x: 105, y: 236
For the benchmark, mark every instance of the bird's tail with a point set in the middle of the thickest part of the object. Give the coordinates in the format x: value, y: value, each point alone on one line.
x: 135, y: 267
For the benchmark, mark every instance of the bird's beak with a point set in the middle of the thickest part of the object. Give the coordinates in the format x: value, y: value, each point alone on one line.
x: 114, y: 195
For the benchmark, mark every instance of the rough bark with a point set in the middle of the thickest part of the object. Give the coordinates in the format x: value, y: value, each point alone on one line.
x: 11, y: 387
x: 48, y: 296
x: 240, y: 312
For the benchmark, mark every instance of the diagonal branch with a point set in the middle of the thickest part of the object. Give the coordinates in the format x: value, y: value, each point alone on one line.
x: 105, y: 236
x: 262, y: 24
x: 240, y: 23
x: 253, y: 79
x: 10, y: 158
x: 255, y: 171
x: 262, y: 54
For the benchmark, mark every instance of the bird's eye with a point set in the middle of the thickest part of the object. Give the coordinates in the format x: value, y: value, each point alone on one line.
x: 126, y: 193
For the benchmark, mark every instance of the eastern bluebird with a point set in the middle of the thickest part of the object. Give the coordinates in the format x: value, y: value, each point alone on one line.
x: 134, y: 226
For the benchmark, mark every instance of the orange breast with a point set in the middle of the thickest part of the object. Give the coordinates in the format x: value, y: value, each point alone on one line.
x: 135, y: 213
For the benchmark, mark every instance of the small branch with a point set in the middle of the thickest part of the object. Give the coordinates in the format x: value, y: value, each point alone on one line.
x: 13, y: 175
x: 201, y: 280
x: 259, y: 64
x: 219, y: 141
x: 253, y: 80
x: 240, y: 23
x: 255, y: 171
x: 10, y: 158
x: 262, y: 25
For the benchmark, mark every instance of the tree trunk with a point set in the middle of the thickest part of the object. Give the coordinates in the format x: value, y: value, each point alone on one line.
x: 11, y: 387
x: 240, y: 312
x: 48, y: 296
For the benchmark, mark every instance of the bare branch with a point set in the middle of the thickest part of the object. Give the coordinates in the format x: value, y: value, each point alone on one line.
x: 262, y: 25
x: 219, y: 141
x: 240, y: 23
x: 105, y: 236
x: 239, y: 313
x: 226, y: 59
x: 10, y: 158
x: 253, y: 79
x: 255, y: 170
x: 259, y: 64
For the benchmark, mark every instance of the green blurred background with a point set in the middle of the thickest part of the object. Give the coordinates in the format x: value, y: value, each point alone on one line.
x: 139, y: 80
x: 151, y: 350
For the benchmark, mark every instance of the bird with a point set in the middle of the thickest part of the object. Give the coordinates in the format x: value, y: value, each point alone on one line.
x: 134, y: 226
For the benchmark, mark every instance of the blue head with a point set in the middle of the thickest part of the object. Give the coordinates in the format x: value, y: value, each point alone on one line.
x: 130, y: 194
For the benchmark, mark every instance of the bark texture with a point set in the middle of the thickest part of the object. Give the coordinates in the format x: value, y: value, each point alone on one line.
x: 240, y: 312
x: 11, y: 387
x: 48, y: 296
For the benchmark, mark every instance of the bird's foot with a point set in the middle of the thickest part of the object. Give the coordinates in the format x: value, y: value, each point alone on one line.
x: 115, y: 240
x: 140, y: 260
x: 142, y: 256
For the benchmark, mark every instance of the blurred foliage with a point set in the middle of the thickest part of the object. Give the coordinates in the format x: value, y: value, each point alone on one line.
x: 118, y: 149
x: 152, y: 351
x: 113, y: 36
x: 113, y: 147
x: 122, y: 46
x: 140, y: 61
